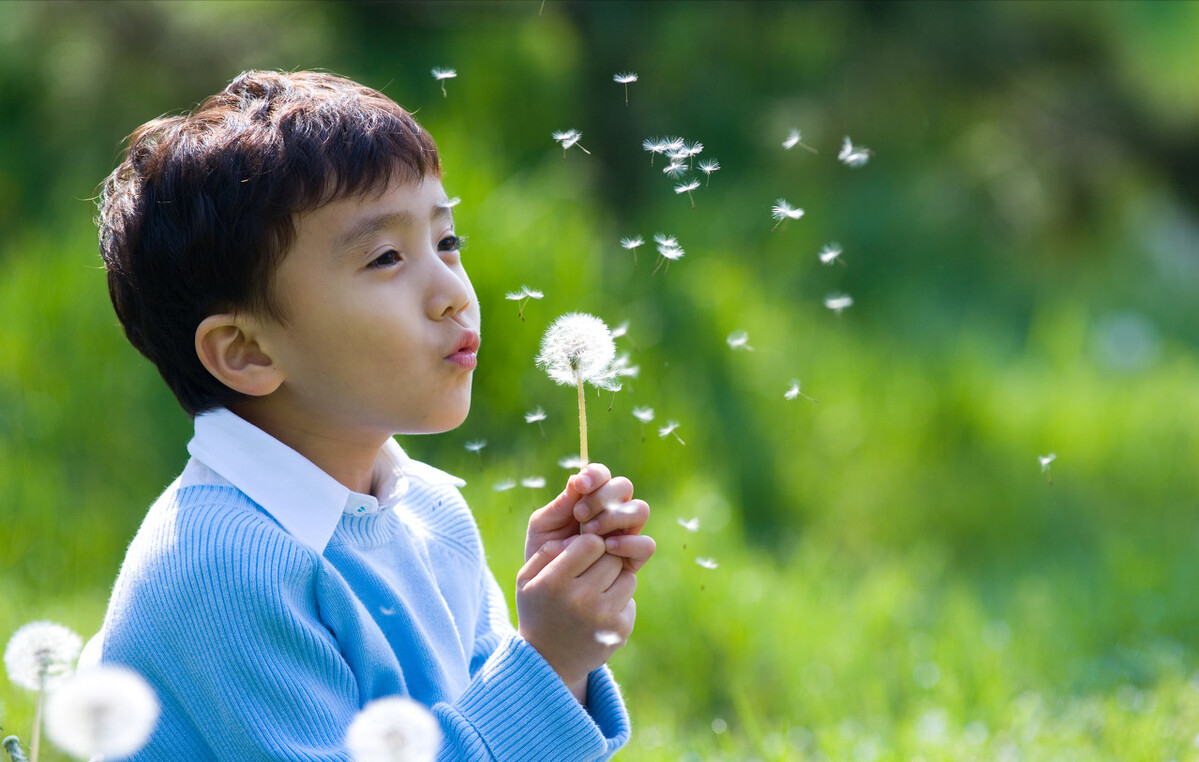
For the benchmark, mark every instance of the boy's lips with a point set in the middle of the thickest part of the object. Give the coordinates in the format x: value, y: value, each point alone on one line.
x: 465, y: 354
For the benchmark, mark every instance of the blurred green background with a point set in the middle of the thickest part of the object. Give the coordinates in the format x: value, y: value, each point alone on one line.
x: 898, y: 578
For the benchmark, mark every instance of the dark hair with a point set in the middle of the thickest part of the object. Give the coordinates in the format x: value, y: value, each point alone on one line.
x: 199, y: 214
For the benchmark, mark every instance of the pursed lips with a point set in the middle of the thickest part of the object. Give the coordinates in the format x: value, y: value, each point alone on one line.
x: 465, y: 354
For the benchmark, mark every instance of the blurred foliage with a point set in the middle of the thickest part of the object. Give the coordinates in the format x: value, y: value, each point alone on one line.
x: 897, y: 574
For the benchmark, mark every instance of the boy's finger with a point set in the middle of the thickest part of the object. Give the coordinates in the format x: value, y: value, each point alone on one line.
x: 628, y: 517
x: 590, y: 478
x: 603, y: 572
x: 579, y: 554
x: 636, y: 549
x: 622, y: 588
x: 616, y: 490
x: 538, y: 561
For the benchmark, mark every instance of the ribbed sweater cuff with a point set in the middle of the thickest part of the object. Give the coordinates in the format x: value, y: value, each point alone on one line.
x: 524, y: 712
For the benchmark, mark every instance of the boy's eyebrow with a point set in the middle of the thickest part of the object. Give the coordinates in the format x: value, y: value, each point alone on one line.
x: 368, y: 226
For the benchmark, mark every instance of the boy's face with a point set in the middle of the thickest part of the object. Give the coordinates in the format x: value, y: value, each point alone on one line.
x: 382, y: 319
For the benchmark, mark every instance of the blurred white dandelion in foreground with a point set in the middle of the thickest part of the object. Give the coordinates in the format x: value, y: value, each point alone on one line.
x: 441, y: 75
x: 523, y: 296
x: 643, y: 414
x: 533, y: 482
x: 831, y: 252
x: 608, y: 638
x: 691, y: 525
x: 783, y: 211
x: 838, y: 302
x: 41, y: 654
x: 794, y: 139
x: 570, y: 138
x: 475, y: 445
x: 504, y: 486
x: 853, y: 156
x: 687, y: 188
x: 571, y: 463
x: 578, y: 348
x: 105, y: 710
x: 394, y: 729
x: 739, y: 340
x: 625, y: 78
x: 1045, y: 461
x: 708, y: 167
x: 632, y: 245
x: 670, y: 430
x: 707, y: 563
x: 793, y: 391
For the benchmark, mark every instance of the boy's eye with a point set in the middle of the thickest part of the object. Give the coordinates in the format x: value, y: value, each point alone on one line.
x: 386, y: 259
x: 452, y: 243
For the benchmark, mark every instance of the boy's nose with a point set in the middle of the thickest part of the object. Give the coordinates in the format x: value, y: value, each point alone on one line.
x: 452, y: 292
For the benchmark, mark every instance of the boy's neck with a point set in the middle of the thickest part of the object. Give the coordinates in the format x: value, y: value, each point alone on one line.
x: 347, y: 457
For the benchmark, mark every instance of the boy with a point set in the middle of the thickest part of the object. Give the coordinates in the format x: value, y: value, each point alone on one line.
x: 285, y: 255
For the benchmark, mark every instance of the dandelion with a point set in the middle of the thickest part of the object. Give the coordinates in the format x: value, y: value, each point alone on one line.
x: 708, y: 167
x: 691, y: 525
x: 654, y: 146
x: 669, y: 430
x: 441, y: 75
x: 830, y: 253
x: 632, y: 244
x: 707, y: 563
x: 687, y: 188
x: 570, y: 138
x: 793, y: 391
x: 853, y: 156
x: 105, y: 710
x: 394, y: 729
x: 783, y: 211
x: 578, y: 348
x: 1045, y: 460
x: 739, y: 340
x: 536, y: 415
x: 625, y: 78
x: 533, y: 482
x: 38, y: 656
x: 838, y: 302
x: 523, y: 296
x: 793, y: 139
x: 504, y: 485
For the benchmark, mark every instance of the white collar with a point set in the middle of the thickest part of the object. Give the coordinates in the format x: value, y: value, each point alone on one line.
x: 305, y: 500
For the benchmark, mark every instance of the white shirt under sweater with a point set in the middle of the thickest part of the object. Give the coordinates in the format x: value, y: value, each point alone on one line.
x: 266, y: 604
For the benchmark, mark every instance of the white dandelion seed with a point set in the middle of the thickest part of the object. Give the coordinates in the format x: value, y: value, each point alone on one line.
x: 654, y: 146
x: 707, y: 563
x: 668, y: 250
x: 578, y: 348
x: 739, y: 340
x: 608, y: 638
x: 533, y: 482
x: 670, y: 430
x: 676, y: 168
x: 708, y: 167
x: 632, y: 245
x: 504, y: 485
x: 41, y: 654
x: 441, y: 75
x: 104, y: 710
x: 449, y: 203
x: 625, y: 78
x: 620, y: 330
x: 691, y: 525
x: 571, y: 463
x: 793, y: 391
x: 838, y: 302
x: 794, y: 139
x: 1045, y: 460
x: 673, y: 145
x: 523, y: 296
x: 570, y: 138
x: 475, y: 445
x: 643, y: 414
x: 830, y: 253
x: 535, y: 415
x: 687, y: 188
x: 783, y: 211
x: 853, y: 156
x: 394, y: 729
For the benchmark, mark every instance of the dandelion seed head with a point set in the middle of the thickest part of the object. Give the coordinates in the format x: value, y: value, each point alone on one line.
x: 707, y: 563
x: 686, y: 187
x: 782, y: 210
x: 1045, y: 460
x: 838, y: 302
x: 41, y: 654
x: 394, y: 729
x: 829, y: 253
x: 739, y: 340
x: 504, y: 485
x: 105, y: 710
x: 608, y: 638
x: 643, y: 414
x: 476, y: 445
x: 533, y: 482
x: 632, y: 243
x: 440, y: 74
x: 624, y: 77
x: 691, y: 525
x: 535, y: 415
x: 577, y: 346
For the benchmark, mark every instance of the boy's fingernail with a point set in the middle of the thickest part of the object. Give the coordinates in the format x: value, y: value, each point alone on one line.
x: 590, y: 527
x: 585, y: 482
x: 611, y: 543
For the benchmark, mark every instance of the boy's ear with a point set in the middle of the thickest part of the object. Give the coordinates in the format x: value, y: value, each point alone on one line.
x: 227, y: 346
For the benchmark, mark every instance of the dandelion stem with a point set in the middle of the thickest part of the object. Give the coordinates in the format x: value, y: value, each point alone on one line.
x: 582, y: 423
x: 36, y: 737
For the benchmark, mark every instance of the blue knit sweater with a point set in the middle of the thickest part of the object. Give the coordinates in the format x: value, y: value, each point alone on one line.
x: 262, y: 648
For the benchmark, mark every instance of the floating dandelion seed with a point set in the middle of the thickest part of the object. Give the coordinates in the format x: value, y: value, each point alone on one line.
x: 708, y: 167
x: 571, y: 463
x: 654, y: 146
x: 631, y: 244
x: 783, y: 211
x: 739, y: 340
x: 504, y: 486
x: 793, y: 139
x: 669, y: 430
x: 625, y: 78
x: 394, y: 729
x: 523, y: 296
x: 533, y: 482
x: 570, y: 138
x: 608, y: 638
x: 853, y: 156
x: 838, y: 302
x: 687, y: 188
x: 793, y: 391
x: 476, y: 445
x: 707, y: 563
x: 691, y: 525
x: 449, y: 203
x: 536, y: 415
x: 1045, y: 460
x: 645, y: 415
x: 668, y: 250
x: 441, y: 75
x: 676, y: 168
x: 830, y: 253
x: 620, y: 330
x: 578, y: 348
x: 106, y: 710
